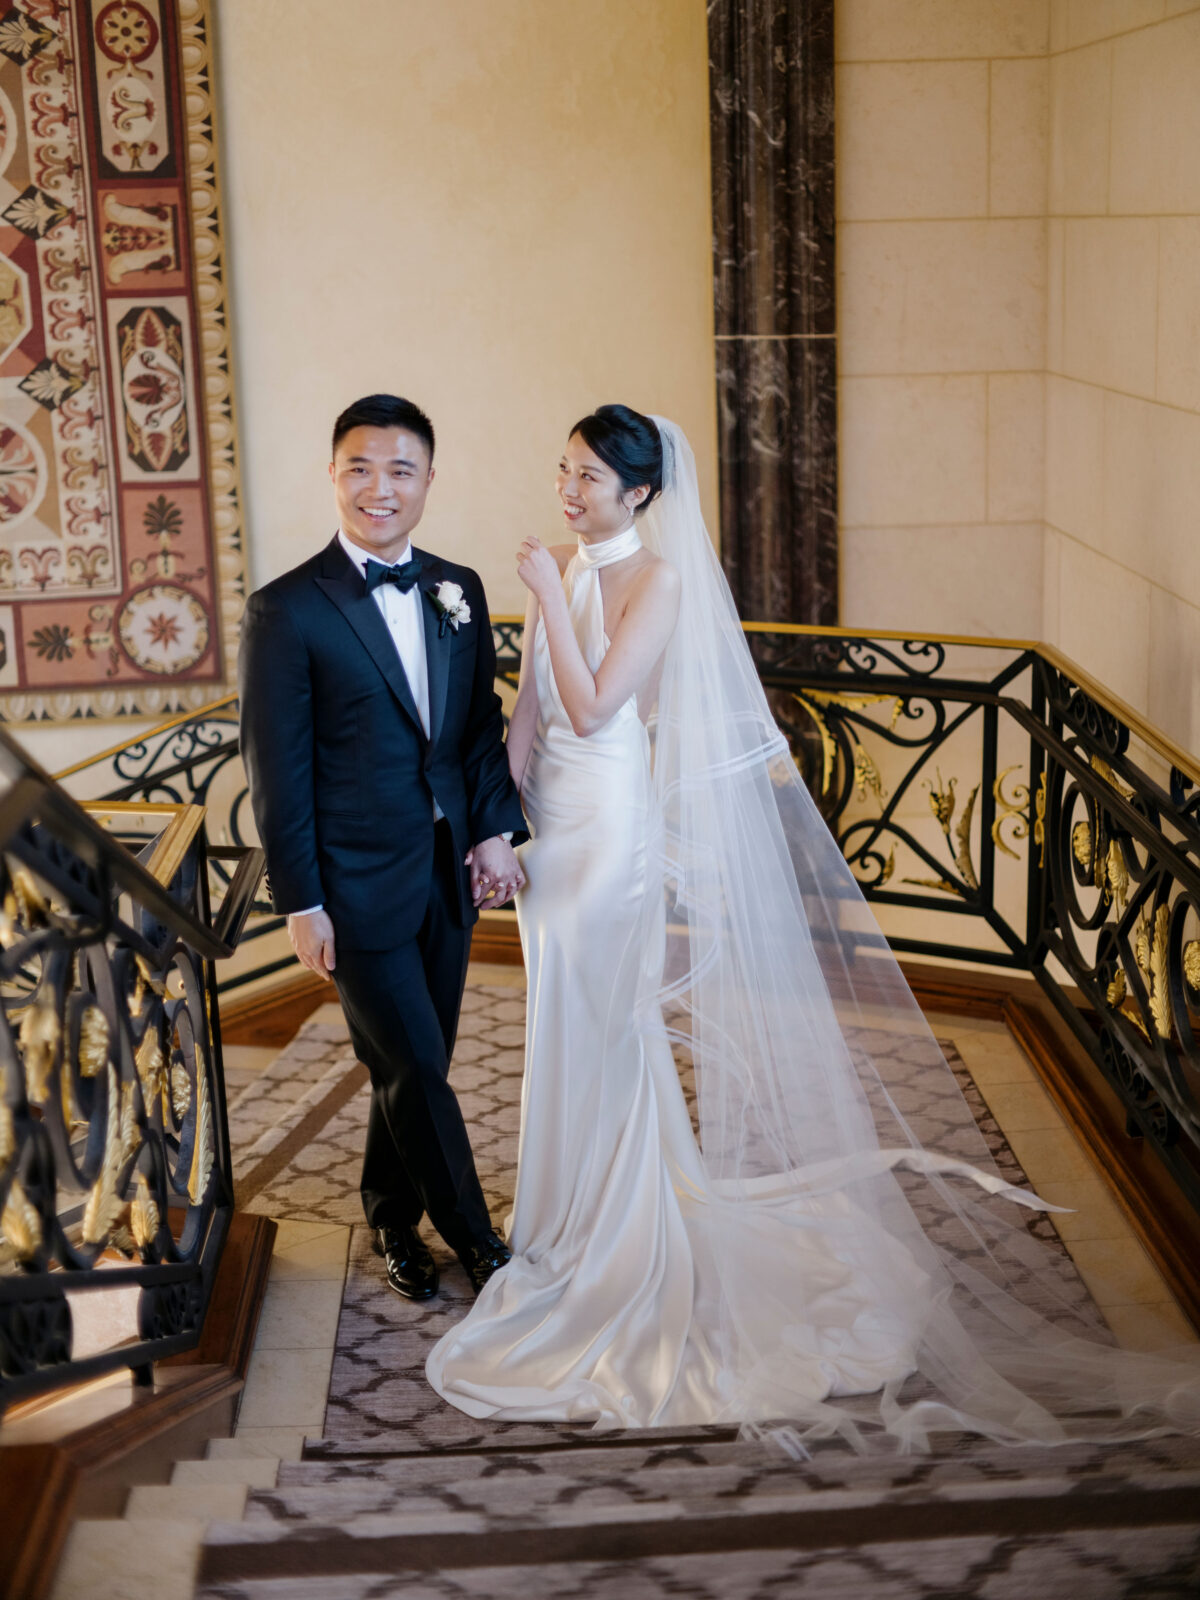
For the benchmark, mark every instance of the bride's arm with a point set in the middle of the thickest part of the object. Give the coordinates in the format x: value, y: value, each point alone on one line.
x: 522, y: 725
x: 641, y: 637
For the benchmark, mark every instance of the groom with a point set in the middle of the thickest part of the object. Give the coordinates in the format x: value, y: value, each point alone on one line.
x: 373, y: 742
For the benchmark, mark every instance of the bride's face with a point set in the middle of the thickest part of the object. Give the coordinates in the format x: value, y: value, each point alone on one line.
x: 590, y: 491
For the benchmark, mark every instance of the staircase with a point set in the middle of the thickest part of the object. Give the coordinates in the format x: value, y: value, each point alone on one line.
x: 391, y: 1502
x: 695, y: 1514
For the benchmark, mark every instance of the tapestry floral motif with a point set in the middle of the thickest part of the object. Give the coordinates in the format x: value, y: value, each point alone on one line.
x: 121, y: 562
x: 54, y: 642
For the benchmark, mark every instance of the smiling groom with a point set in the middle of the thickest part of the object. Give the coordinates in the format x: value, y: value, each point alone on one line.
x: 373, y: 742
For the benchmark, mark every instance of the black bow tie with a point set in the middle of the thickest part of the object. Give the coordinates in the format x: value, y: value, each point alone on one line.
x: 404, y: 575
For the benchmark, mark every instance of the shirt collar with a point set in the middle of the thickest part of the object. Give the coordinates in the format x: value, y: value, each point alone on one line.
x: 360, y: 557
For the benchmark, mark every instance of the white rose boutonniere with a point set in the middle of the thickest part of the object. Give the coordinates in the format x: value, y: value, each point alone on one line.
x: 452, y: 609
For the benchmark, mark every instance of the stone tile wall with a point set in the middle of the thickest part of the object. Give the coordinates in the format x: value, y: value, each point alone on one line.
x: 1122, y: 544
x: 1019, y: 329
x: 941, y: 196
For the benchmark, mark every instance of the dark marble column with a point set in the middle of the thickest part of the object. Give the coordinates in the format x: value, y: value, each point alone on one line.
x: 771, y: 99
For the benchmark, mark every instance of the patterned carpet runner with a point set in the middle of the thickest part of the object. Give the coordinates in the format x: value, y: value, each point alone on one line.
x: 405, y: 1496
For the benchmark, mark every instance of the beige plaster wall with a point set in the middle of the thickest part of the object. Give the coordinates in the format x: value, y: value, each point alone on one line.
x: 941, y: 160
x: 500, y: 208
x: 1122, y: 550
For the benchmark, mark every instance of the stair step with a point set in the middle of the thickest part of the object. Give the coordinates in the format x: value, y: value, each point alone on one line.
x: 105, y: 1559
x: 399, y: 1443
x: 1054, y: 1567
x: 250, y: 1444
x: 448, y: 1466
x: 253, y: 1472
x: 830, y: 1462
x: 846, y: 1549
x: 349, y: 1502
x: 185, y: 1502
x: 557, y: 1491
x: 554, y: 1498
x: 652, y: 1519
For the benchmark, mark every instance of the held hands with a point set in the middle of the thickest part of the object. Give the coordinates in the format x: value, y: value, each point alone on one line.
x: 538, y: 570
x: 495, y: 873
x: 312, y: 940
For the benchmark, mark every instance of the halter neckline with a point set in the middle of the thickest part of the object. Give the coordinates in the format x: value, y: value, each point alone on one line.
x: 611, y: 550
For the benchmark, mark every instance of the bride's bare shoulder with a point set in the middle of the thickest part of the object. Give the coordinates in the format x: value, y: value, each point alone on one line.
x: 657, y: 578
x: 562, y: 553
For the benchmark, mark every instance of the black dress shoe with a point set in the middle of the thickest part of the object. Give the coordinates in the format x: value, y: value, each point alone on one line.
x: 411, y: 1270
x: 482, y: 1257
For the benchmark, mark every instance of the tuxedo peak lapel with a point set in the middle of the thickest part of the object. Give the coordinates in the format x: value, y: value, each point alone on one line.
x: 334, y: 561
x: 341, y: 580
x: 437, y: 642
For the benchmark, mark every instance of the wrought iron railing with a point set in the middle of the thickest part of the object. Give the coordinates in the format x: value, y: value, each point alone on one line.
x: 194, y: 759
x: 996, y: 805
x: 115, y: 1172
x: 1070, y: 850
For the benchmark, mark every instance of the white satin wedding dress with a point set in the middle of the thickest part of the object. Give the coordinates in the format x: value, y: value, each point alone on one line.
x: 613, y: 1309
x: 801, y: 1259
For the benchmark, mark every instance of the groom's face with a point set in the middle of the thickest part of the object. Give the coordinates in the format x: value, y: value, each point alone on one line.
x: 381, y: 477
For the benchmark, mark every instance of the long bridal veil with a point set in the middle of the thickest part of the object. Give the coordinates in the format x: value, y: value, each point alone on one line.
x: 768, y: 974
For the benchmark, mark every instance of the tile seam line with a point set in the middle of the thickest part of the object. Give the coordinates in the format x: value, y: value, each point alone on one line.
x: 941, y: 61
x: 1084, y: 383
x: 1131, y: 572
x: 890, y: 528
x: 1019, y: 372
x: 1124, y: 33
x: 943, y: 218
x: 955, y: 216
x: 958, y: 373
x: 1031, y: 55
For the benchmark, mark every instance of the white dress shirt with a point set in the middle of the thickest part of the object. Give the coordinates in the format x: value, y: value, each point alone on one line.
x: 405, y: 623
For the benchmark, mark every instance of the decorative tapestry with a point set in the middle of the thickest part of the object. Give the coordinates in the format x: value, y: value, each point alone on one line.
x: 121, y: 562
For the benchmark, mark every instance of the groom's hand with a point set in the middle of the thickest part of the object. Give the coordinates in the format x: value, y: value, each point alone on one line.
x: 312, y: 940
x: 495, y: 873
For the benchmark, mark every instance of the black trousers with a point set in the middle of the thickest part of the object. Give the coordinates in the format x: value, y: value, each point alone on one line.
x: 402, y: 1007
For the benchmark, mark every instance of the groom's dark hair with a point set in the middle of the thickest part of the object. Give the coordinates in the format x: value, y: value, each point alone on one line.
x: 384, y: 411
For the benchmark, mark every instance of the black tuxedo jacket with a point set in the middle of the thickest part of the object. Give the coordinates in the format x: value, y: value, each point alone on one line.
x: 342, y: 777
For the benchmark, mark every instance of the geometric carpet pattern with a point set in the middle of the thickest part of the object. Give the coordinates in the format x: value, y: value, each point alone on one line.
x: 1156, y: 1563
x: 406, y: 1497
x: 378, y: 1395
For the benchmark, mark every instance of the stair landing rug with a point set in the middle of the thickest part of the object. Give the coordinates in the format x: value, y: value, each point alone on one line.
x: 378, y: 1397
x: 276, y: 1118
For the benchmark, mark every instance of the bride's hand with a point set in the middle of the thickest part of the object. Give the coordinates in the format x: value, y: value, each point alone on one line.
x: 537, y: 569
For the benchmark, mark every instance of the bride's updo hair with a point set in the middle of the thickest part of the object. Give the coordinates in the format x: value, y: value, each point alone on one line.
x: 627, y: 442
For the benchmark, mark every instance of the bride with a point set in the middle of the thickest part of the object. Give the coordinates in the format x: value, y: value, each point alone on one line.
x: 793, y: 1255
